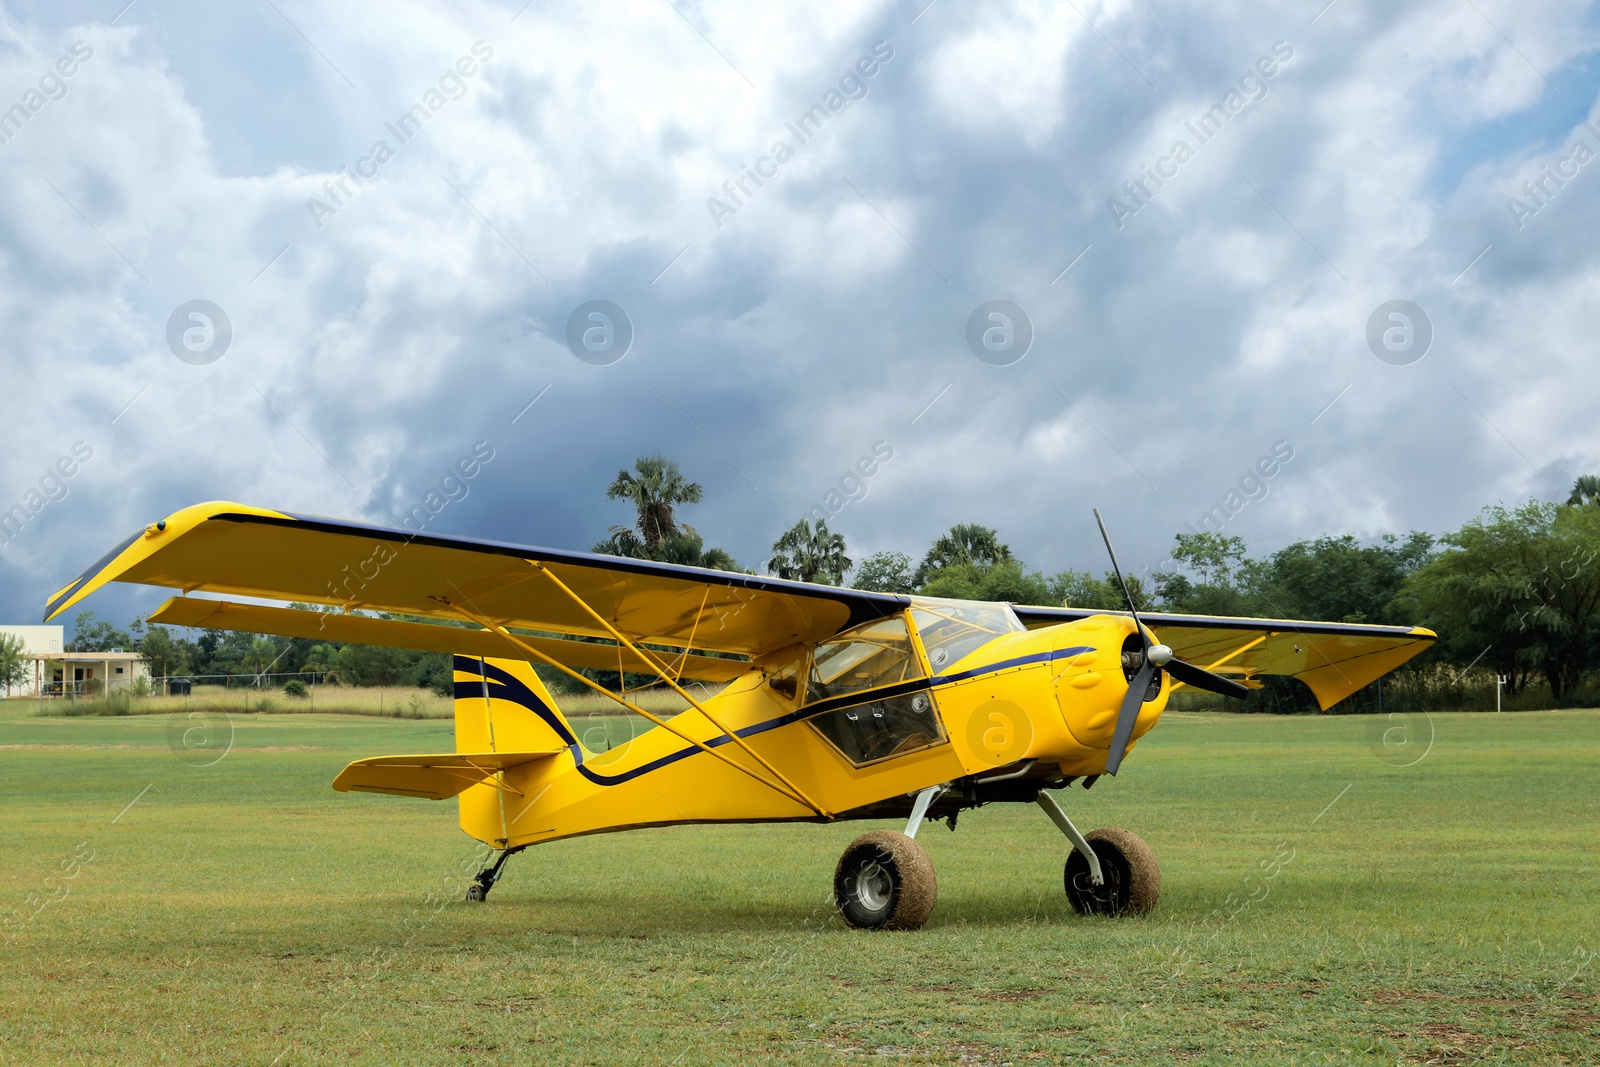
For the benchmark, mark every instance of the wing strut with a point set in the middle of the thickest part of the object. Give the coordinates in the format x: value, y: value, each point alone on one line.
x: 528, y: 649
x: 1241, y: 650
x: 663, y: 673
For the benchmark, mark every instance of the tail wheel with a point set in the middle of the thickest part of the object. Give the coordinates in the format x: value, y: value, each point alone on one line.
x: 1132, y: 876
x: 885, y: 881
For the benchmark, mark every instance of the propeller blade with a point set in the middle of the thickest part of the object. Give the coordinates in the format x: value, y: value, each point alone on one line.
x: 1200, y: 678
x: 1128, y: 714
x: 1137, y: 625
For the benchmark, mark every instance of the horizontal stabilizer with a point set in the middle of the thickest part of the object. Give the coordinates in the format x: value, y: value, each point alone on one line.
x: 438, y: 776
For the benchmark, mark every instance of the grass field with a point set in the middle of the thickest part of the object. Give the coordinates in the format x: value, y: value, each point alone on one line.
x: 1322, y: 902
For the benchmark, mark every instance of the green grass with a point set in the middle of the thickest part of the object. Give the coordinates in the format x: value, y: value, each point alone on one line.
x: 1443, y: 912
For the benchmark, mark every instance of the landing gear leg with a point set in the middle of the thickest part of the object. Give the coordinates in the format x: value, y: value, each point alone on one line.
x: 486, y: 878
x: 1059, y: 817
x: 919, y: 809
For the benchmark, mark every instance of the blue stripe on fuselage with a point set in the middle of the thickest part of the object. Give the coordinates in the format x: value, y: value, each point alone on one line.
x: 1007, y: 664
x: 507, y: 687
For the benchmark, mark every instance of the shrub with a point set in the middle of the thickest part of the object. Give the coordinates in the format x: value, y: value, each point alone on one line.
x: 115, y: 704
x: 294, y: 687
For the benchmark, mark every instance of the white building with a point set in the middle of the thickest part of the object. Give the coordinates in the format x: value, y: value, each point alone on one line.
x: 58, y: 672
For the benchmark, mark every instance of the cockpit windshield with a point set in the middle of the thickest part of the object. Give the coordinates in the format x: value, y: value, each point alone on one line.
x: 950, y: 629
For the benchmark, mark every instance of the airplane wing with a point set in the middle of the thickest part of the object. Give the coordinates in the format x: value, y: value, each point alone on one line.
x: 236, y: 550
x: 1333, y: 658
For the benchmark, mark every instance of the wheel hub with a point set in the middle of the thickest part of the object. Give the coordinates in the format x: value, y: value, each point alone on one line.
x: 874, y: 888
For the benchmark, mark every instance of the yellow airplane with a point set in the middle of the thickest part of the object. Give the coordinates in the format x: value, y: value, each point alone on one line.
x: 829, y: 704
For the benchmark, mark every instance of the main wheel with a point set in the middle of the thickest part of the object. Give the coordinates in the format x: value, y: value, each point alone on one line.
x: 476, y: 892
x: 1132, y: 877
x: 885, y: 881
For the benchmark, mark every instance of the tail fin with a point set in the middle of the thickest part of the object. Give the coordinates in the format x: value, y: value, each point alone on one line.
x: 503, y: 706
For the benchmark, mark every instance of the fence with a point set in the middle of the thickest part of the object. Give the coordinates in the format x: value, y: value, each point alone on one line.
x: 247, y: 685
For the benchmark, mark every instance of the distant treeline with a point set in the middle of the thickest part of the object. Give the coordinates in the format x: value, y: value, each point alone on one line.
x: 1514, y: 593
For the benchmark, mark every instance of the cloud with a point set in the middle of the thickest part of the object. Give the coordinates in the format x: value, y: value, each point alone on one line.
x: 830, y: 309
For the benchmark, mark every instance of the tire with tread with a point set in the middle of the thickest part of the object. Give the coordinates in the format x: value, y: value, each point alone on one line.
x: 1132, y: 876
x: 885, y: 881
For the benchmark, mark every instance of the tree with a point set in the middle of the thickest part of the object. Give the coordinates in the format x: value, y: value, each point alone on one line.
x: 367, y: 665
x: 323, y: 661
x: 1213, y: 556
x: 689, y: 550
x: 1179, y: 594
x: 262, y: 655
x: 89, y: 634
x: 965, y: 543
x: 157, y: 647
x: 885, y: 572
x: 1337, y: 579
x: 1518, y: 588
x: 229, y: 654
x: 14, y: 661
x: 655, y: 487
x: 1080, y: 589
x: 1585, y: 490
x: 1005, y: 581
x: 807, y: 553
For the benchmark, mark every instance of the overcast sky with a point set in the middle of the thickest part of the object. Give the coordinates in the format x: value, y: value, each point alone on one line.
x: 1336, y: 157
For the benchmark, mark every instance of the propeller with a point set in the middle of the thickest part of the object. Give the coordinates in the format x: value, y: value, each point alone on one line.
x: 1151, y: 658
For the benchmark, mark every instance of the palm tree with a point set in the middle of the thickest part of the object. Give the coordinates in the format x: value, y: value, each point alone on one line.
x: 655, y: 487
x: 1585, y: 490
x: 690, y: 550
x: 809, y: 554
x: 966, y: 543
x: 261, y: 657
x: 323, y: 661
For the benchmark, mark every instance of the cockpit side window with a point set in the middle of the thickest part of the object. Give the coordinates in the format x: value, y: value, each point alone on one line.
x: 884, y: 728
x: 869, y: 657
x: 874, y: 726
